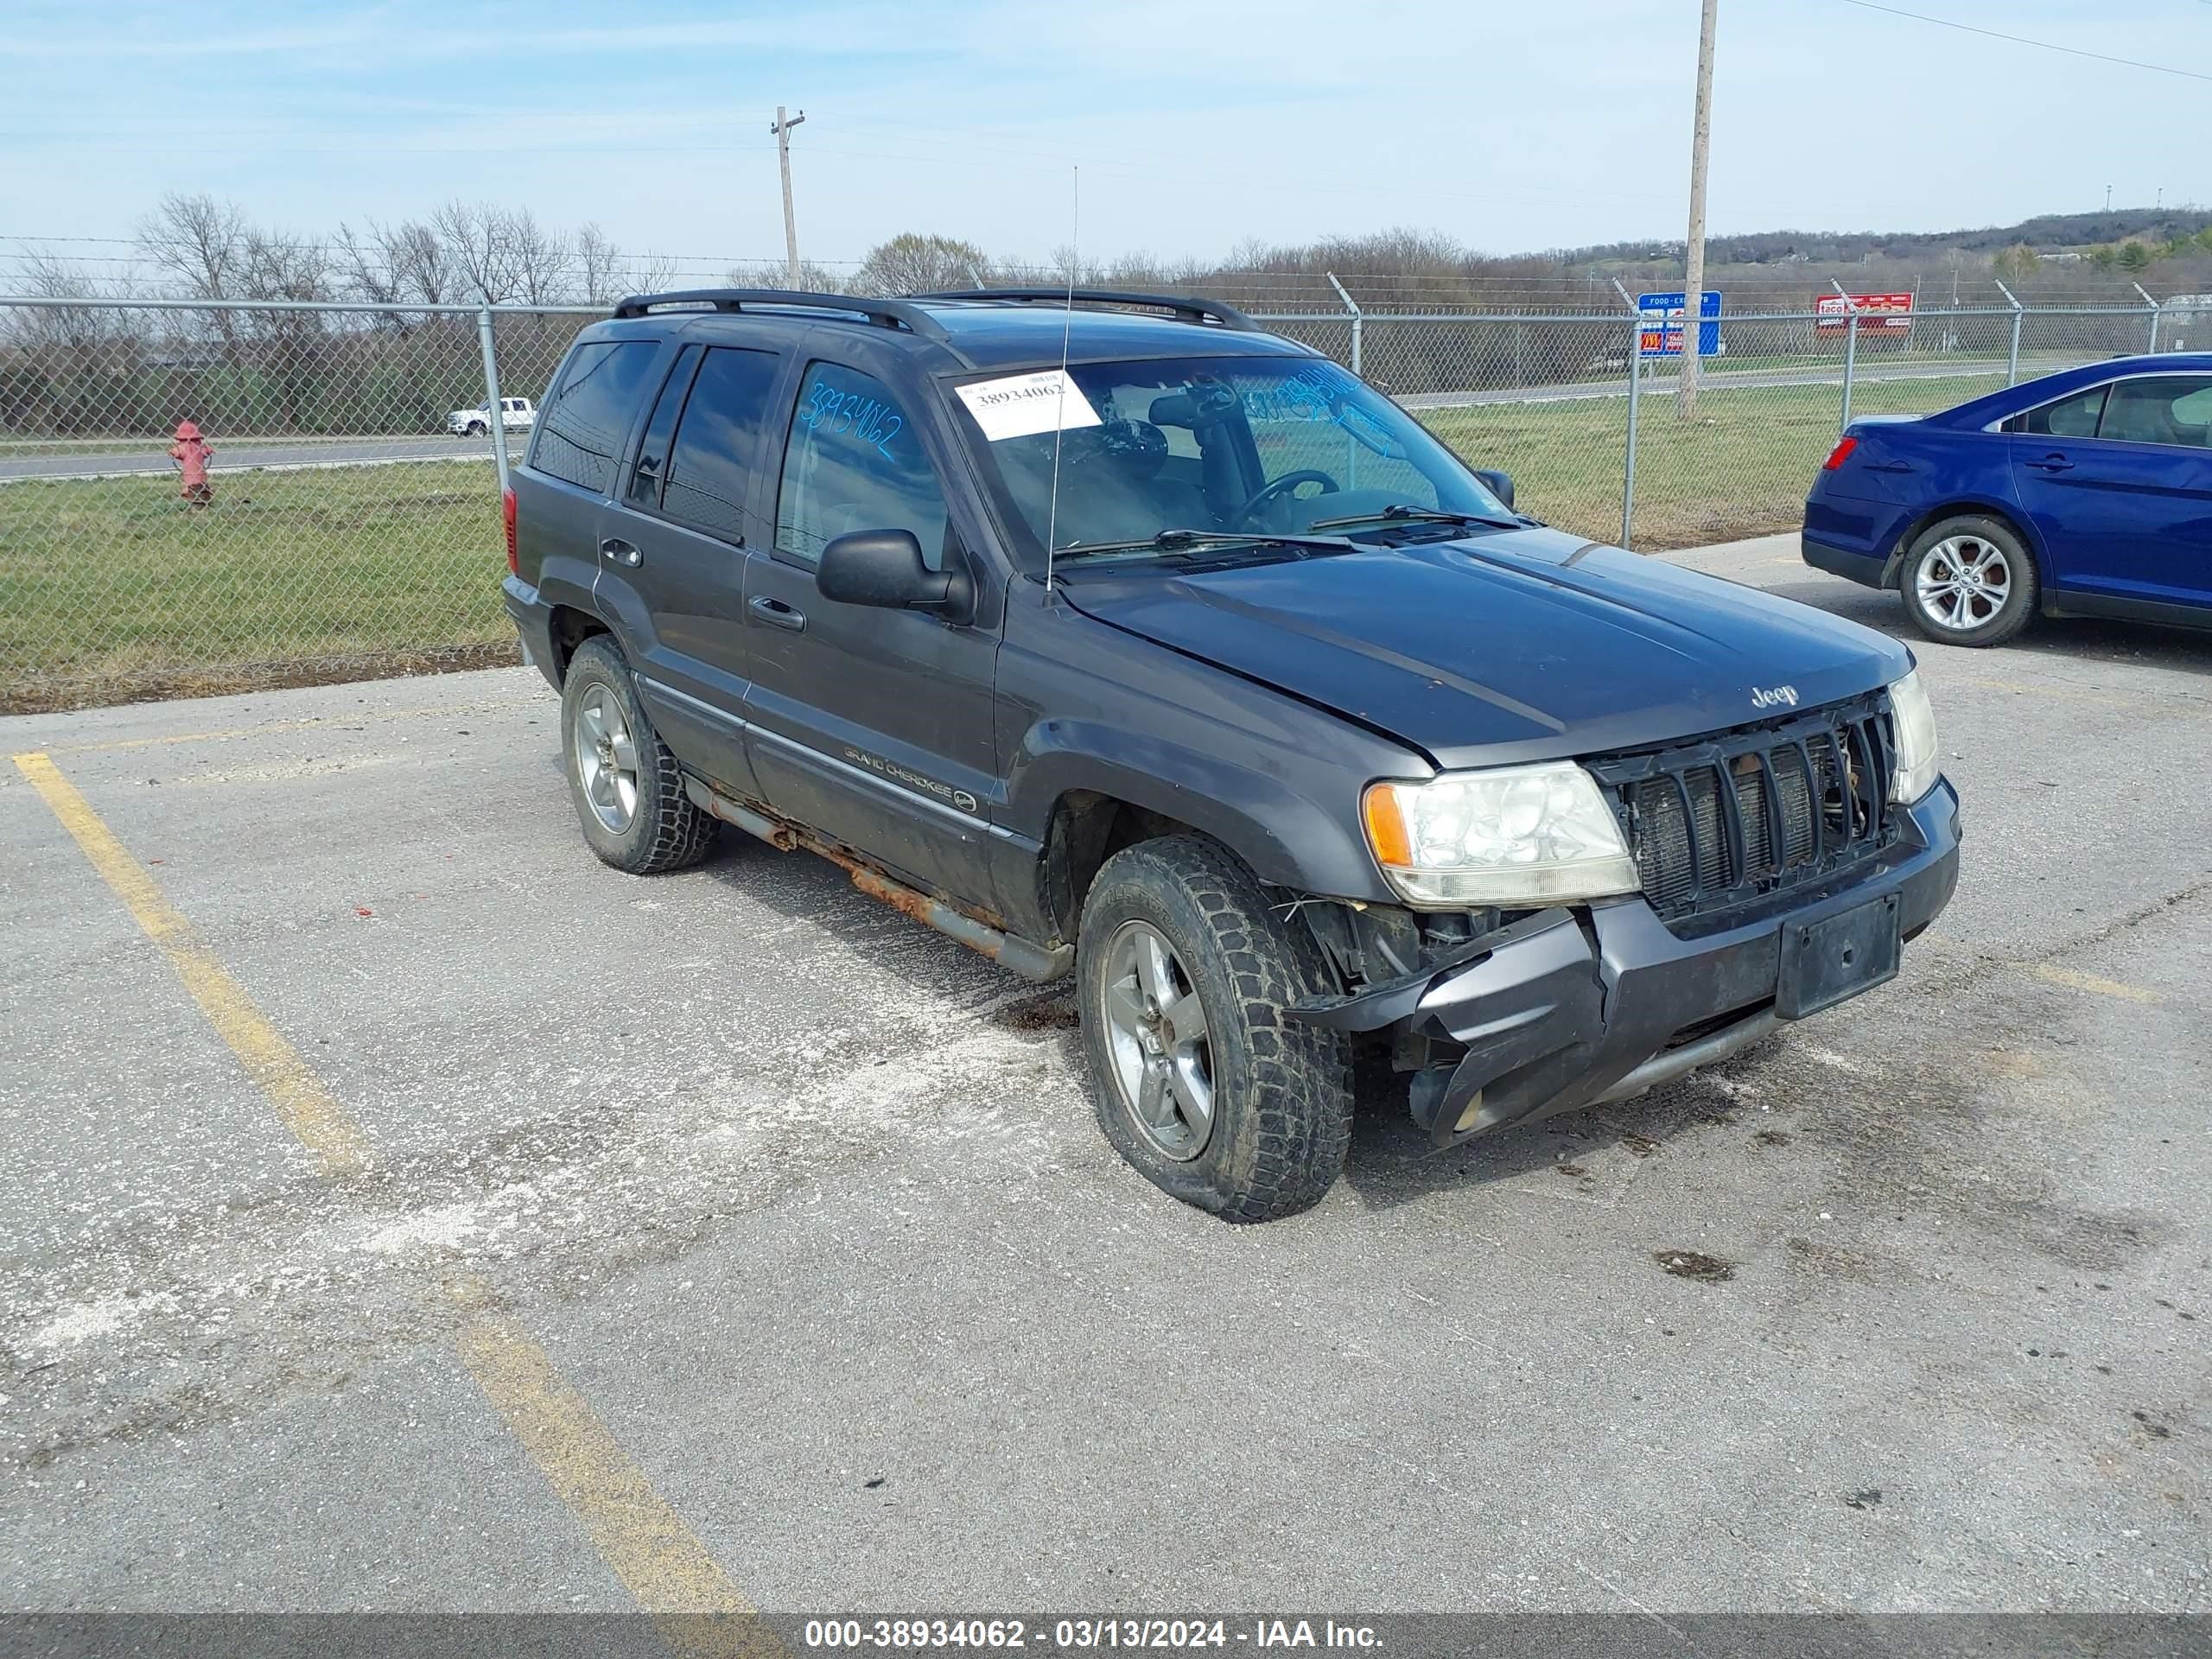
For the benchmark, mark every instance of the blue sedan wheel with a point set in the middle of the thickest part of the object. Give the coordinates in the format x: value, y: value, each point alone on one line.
x: 1969, y: 581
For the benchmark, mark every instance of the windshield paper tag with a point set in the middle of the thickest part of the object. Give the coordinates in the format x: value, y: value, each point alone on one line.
x: 1020, y: 405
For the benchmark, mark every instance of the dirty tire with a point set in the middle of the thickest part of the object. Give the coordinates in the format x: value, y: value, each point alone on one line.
x: 1936, y: 545
x: 665, y: 831
x: 1282, y: 1089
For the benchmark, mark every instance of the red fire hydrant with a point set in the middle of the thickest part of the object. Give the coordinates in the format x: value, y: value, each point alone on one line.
x: 190, y: 452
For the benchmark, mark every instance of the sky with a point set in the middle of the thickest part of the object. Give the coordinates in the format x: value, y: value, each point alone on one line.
x: 1194, y: 124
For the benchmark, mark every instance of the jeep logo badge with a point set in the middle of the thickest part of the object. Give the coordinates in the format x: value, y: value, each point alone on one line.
x: 1765, y: 696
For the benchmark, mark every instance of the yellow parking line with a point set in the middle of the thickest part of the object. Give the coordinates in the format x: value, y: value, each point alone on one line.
x: 660, y: 1560
x: 2067, y: 976
x: 316, y: 1121
x: 697, y: 1610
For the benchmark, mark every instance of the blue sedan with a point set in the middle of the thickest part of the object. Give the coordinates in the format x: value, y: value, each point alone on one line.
x: 2084, y: 493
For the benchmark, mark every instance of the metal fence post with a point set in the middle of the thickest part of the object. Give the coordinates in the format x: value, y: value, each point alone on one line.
x: 1635, y: 385
x: 495, y: 416
x: 2013, y: 359
x: 1356, y: 316
x: 1850, y: 351
x: 2155, y: 309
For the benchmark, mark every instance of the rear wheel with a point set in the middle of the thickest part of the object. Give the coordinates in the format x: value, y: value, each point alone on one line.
x: 1968, y: 581
x: 627, y: 790
x: 1201, y: 1080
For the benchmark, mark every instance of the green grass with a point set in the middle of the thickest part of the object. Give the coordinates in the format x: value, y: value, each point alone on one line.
x: 114, y: 588
x: 1741, y: 468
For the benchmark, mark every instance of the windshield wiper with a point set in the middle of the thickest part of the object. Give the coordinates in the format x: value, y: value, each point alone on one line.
x: 1404, y: 513
x: 1178, y: 541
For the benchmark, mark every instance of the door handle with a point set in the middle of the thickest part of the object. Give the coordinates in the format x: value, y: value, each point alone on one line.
x: 777, y: 615
x: 2053, y: 464
x: 620, y: 551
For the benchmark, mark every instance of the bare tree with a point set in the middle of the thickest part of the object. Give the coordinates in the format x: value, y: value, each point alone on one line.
x: 812, y: 278
x: 421, y: 265
x: 914, y: 263
x: 598, y: 266
x: 198, y: 243
x: 365, y: 264
x: 545, y: 259
x: 477, y: 239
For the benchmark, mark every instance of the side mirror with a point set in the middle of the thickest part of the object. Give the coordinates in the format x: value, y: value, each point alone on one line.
x: 1500, y: 484
x: 884, y: 568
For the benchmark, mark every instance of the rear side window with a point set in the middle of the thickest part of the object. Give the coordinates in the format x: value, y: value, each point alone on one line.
x: 854, y: 461
x: 581, y: 429
x: 2069, y: 418
x: 718, y: 440
x: 2170, y: 408
x: 651, y: 465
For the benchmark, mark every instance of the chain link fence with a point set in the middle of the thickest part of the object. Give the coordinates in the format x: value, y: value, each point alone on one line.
x: 342, y: 521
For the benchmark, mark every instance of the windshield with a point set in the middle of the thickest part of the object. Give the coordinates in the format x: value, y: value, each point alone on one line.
x: 1220, y: 445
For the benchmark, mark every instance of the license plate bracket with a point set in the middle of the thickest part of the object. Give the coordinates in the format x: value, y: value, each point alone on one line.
x: 1825, y: 961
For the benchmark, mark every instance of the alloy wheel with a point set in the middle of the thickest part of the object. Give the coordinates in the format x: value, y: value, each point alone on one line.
x: 606, y: 758
x: 1963, y: 583
x: 1157, y: 1041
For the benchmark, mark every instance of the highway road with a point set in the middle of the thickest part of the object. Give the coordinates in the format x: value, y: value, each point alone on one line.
x: 116, y: 460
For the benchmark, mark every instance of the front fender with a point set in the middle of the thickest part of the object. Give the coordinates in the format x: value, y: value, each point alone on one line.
x: 1287, y: 837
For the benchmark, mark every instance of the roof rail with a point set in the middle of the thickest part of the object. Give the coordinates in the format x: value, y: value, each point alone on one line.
x: 887, y: 314
x: 1186, y: 308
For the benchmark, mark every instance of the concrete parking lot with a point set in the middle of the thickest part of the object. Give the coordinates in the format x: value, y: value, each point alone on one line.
x: 400, y: 1211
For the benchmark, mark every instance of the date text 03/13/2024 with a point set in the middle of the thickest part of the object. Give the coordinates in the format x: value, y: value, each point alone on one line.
x: 1008, y: 1634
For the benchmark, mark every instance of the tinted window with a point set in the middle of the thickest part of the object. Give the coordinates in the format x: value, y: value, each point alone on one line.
x: 713, y: 457
x: 2160, y: 409
x: 651, y: 465
x: 854, y: 461
x: 2069, y: 418
x: 581, y: 427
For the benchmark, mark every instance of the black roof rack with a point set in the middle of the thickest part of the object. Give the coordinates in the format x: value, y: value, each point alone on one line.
x: 887, y: 314
x: 1186, y: 308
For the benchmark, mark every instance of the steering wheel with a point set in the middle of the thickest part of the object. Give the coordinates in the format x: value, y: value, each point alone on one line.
x: 1283, y: 487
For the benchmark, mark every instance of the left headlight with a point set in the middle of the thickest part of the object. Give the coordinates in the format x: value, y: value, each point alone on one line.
x: 1915, y: 725
x: 1518, y: 835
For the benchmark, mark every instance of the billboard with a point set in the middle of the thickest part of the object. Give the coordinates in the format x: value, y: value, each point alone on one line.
x: 1875, y: 311
x: 1661, y: 333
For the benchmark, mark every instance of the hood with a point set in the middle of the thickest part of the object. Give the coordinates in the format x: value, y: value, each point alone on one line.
x: 1521, y: 646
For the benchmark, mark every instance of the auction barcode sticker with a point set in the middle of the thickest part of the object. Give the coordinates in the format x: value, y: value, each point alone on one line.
x: 1018, y: 405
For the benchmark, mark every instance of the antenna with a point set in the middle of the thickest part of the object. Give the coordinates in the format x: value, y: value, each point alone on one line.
x: 1060, y: 397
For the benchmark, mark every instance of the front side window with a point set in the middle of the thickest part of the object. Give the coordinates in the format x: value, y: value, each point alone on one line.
x: 1226, y: 445
x: 710, y: 464
x: 2167, y: 409
x: 854, y: 461
x: 581, y: 429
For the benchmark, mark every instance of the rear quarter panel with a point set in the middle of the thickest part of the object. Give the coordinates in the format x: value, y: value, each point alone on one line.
x: 1904, y: 475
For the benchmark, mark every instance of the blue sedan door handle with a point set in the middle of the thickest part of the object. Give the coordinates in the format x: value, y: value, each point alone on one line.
x: 2053, y: 463
x: 777, y: 615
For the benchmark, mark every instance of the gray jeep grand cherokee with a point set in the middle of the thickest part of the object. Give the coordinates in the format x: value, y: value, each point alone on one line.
x: 1201, y: 669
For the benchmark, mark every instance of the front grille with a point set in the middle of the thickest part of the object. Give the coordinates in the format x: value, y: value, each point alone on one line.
x: 1719, y: 824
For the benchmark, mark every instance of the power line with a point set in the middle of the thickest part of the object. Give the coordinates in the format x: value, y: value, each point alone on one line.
x: 2022, y: 40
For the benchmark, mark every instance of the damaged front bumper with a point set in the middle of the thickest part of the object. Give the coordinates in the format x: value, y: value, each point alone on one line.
x: 1568, y: 1008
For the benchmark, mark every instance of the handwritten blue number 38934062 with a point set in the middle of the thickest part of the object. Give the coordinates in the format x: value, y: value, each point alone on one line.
x: 832, y: 413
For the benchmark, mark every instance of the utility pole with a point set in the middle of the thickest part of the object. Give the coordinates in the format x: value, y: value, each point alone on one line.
x: 782, y: 129
x: 1694, y: 279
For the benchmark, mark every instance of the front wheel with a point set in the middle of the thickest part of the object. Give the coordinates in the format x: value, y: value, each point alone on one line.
x: 1201, y: 1079
x: 476, y: 429
x: 1968, y: 581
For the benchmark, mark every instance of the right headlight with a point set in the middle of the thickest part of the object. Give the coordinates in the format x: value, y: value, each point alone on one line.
x: 1915, y: 724
x: 1511, y: 836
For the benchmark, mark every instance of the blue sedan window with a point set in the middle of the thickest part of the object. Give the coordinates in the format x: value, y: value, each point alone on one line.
x: 2069, y: 418
x: 2169, y: 409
